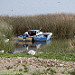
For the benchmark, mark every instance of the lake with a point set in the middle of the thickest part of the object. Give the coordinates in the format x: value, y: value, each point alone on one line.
x: 23, y: 46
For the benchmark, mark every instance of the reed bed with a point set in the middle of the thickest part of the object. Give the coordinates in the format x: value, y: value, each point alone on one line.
x: 6, y: 32
x: 6, y: 29
x: 61, y: 25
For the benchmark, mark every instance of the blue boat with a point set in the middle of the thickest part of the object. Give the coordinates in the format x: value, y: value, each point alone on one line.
x: 35, y: 35
x: 43, y: 37
x: 29, y: 36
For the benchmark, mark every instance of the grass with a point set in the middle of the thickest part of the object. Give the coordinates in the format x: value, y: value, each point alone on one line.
x: 6, y: 32
x: 72, y: 72
x: 48, y: 71
x: 60, y: 49
x: 61, y: 25
x: 37, y: 73
x: 6, y: 29
x: 9, y: 67
x: 51, y: 71
x: 59, y: 56
x: 25, y: 68
x: 11, y: 72
x: 7, y: 47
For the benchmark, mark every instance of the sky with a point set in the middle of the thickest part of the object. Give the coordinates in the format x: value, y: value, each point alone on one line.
x: 36, y: 7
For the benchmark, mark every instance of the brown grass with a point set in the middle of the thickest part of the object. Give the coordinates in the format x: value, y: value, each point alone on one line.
x: 61, y: 25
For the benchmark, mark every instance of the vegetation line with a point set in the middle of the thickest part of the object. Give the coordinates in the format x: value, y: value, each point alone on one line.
x: 61, y: 25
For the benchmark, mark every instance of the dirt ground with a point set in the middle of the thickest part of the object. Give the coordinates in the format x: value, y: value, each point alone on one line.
x: 32, y: 65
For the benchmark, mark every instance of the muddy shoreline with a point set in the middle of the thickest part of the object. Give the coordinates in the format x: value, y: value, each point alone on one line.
x: 35, y: 64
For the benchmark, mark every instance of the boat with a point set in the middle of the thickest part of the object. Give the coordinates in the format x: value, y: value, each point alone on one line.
x: 34, y: 35
x: 43, y: 37
x: 28, y: 36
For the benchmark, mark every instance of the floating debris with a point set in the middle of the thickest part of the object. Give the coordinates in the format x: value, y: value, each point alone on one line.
x: 6, y: 40
x: 2, y: 51
x: 32, y: 52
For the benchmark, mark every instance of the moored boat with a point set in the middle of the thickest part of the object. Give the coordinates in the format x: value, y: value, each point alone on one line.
x: 34, y: 35
x: 28, y: 36
x: 43, y: 37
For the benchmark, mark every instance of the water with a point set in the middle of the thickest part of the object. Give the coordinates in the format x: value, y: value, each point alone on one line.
x: 23, y: 46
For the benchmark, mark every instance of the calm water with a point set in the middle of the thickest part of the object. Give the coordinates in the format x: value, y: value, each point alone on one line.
x: 23, y: 46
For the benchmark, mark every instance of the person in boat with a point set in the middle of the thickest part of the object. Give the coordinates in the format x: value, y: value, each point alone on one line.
x: 25, y: 35
x: 29, y: 33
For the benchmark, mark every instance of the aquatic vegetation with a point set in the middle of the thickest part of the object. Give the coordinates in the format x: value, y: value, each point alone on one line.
x: 6, y: 29
x: 58, y: 46
x: 6, y: 46
x: 6, y: 32
x: 61, y: 25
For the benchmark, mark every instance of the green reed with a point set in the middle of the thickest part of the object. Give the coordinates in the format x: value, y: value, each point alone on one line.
x: 6, y: 32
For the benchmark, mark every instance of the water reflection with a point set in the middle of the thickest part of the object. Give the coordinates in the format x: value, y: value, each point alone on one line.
x: 23, y: 46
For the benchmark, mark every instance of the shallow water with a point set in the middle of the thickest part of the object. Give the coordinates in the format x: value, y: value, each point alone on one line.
x: 23, y: 46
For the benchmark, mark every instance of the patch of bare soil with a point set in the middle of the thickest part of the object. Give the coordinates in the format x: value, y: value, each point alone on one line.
x: 33, y: 65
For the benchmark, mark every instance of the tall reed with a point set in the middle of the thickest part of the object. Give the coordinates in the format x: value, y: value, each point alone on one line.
x: 61, y: 25
x: 6, y: 30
